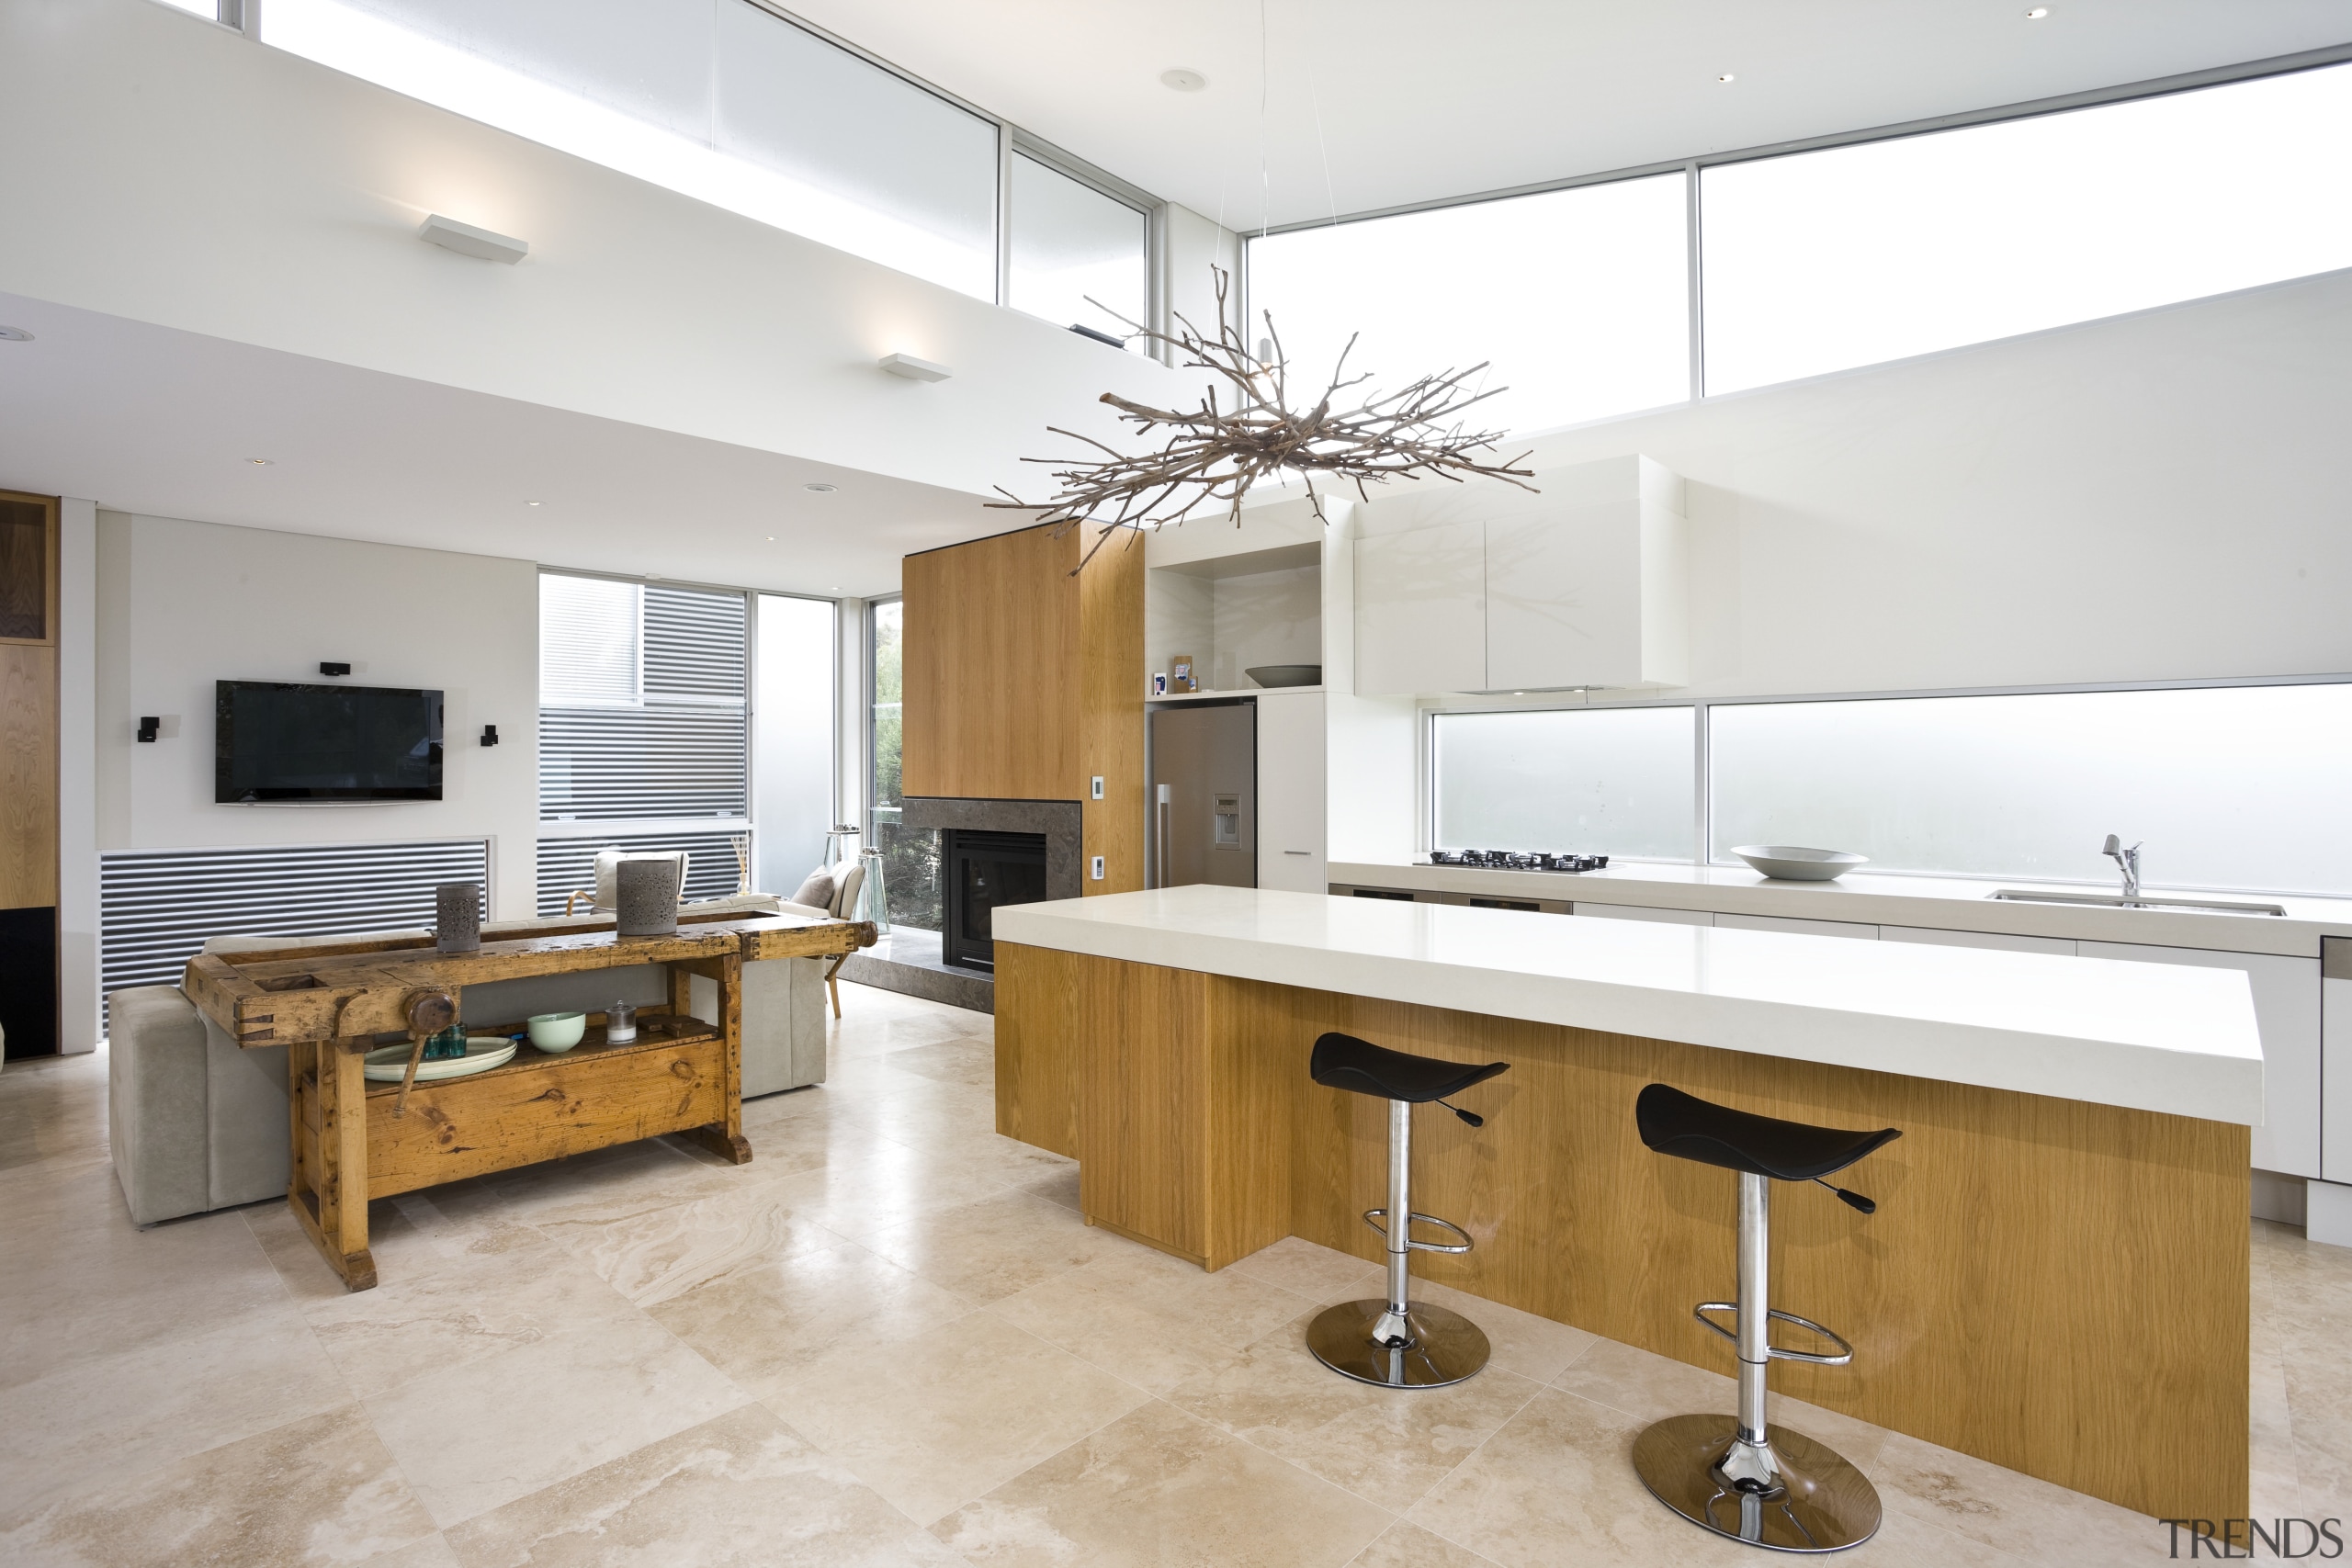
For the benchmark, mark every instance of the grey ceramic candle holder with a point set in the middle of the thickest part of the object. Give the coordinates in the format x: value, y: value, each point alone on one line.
x: 457, y: 917
x: 648, y: 892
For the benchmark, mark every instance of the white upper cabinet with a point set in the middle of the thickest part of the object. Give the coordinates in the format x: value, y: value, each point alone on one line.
x: 1290, y: 791
x: 1488, y: 588
x: 1421, y: 611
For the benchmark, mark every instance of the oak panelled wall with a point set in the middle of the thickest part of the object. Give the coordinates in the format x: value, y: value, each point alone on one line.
x: 1023, y: 679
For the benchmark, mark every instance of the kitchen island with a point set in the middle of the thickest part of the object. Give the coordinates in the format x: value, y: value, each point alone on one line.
x: 2056, y: 1279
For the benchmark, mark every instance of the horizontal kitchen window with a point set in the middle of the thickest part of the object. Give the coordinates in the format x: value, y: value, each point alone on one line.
x: 1576, y: 781
x: 2232, y: 787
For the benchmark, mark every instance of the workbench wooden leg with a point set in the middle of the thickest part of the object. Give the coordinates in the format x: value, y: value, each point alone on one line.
x: 335, y: 1209
x: 725, y: 1138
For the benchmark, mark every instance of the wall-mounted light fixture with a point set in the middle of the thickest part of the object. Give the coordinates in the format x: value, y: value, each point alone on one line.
x: 915, y: 370
x: 468, y: 241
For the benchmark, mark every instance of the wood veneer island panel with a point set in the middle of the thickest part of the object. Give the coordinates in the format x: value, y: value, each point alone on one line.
x: 2054, y: 1286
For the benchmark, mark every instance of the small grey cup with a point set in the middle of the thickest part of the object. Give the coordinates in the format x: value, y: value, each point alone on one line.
x: 457, y: 917
x: 648, y: 891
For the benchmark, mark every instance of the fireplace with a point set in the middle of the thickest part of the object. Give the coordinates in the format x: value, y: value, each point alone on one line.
x: 981, y: 871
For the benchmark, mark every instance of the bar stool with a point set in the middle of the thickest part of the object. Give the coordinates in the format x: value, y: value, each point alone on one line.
x: 1397, y: 1343
x: 1792, y: 1493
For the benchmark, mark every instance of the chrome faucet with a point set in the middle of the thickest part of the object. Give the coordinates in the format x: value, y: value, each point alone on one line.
x: 2129, y: 859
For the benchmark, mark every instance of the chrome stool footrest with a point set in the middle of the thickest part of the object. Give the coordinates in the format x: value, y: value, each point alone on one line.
x: 1376, y: 1218
x: 1845, y: 1353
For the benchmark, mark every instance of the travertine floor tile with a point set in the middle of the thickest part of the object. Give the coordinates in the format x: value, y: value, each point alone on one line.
x: 933, y: 1423
x: 1556, y: 1486
x: 498, y: 1428
x: 439, y: 1315
x: 1319, y: 1273
x: 764, y: 1321
x: 1533, y: 1347
x: 125, y: 1415
x: 1148, y: 1319
x: 995, y: 1245
x: 2013, y: 1513
x: 1388, y: 1446
x: 1160, y: 1488
x: 740, y: 1490
x: 662, y: 1250
x: 318, y: 1491
x: 1406, y: 1545
x: 887, y: 1184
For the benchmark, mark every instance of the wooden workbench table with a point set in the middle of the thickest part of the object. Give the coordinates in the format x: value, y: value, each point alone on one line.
x: 332, y: 1004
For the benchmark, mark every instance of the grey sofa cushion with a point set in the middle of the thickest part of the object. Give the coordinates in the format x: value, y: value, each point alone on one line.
x: 156, y: 1101
x: 250, y: 1146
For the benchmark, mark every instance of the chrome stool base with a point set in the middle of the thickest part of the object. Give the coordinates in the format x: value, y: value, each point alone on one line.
x: 1821, y: 1502
x: 1444, y: 1348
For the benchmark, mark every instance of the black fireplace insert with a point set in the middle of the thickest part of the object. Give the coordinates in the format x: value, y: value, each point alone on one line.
x: 980, y: 873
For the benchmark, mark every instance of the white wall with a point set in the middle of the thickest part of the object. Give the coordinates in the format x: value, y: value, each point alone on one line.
x: 170, y: 171
x: 2155, y: 497
x: 181, y: 605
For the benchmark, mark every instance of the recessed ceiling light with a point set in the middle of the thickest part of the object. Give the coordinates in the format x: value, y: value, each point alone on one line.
x: 258, y: 462
x: 771, y: 539
x: 530, y: 504
x: 15, y: 334
x: 1183, y: 81
x: 821, y: 488
x: 1726, y: 76
x: 2037, y: 13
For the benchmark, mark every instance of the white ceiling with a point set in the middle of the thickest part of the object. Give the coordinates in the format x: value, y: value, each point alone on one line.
x: 1411, y: 100
x: 150, y: 419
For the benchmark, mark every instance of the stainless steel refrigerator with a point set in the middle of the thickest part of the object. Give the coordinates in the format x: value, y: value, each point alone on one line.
x: 1204, y: 795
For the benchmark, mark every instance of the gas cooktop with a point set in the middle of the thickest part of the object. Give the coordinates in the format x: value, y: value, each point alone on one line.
x: 1512, y: 860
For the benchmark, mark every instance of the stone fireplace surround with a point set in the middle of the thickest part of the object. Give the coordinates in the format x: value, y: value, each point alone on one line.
x: 914, y: 966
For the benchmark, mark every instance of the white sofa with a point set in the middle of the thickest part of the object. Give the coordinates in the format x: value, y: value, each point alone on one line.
x: 197, y: 1123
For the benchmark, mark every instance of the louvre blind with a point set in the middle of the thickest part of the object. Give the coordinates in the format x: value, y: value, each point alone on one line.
x: 568, y: 865
x: 156, y: 908
x: 674, y: 742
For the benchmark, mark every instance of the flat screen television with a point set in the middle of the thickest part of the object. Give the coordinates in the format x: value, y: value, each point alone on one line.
x: 276, y: 741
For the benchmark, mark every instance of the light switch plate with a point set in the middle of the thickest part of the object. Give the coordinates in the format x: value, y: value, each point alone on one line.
x: 1098, y: 786
x: 1095, y: 869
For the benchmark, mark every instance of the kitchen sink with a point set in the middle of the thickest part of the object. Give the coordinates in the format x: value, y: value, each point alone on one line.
x: 2117, y: 901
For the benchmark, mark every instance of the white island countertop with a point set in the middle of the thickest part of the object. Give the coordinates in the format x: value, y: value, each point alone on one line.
x: 2146, y: 1036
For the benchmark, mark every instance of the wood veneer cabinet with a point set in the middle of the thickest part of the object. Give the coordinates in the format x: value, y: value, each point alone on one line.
x: 1023, y: 682
x: 28, y: 784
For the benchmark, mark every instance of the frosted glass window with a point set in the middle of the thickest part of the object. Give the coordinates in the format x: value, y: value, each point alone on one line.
x: 792, y: 737
x: 1070, y: 243
x: 591, y: 642
x: 1579, y: 299
x: 2234, y: 787
x: 717, y: 99
x: 1853, y: 256
x: 1571, y: 781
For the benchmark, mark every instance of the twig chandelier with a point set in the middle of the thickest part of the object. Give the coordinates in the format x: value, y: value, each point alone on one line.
x: 1215, y: 453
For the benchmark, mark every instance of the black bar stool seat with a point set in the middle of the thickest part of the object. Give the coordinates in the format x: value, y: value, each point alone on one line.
x: 1738, y: 1476
x: 1683, y: 1125
x: 1342, y: 1061
x: 1398, y: 1343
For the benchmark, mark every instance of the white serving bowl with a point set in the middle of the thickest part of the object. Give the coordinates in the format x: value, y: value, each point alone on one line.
x: 1794, y: 863
x: 558, y: 1030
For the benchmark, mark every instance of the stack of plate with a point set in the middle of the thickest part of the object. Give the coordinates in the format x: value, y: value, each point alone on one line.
x: 483, y: 1052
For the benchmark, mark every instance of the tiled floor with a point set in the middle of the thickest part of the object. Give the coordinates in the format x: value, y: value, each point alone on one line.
x: 888, y: 1340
